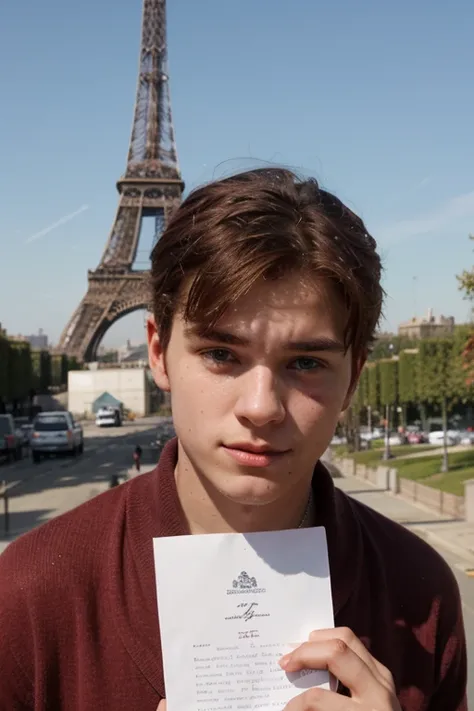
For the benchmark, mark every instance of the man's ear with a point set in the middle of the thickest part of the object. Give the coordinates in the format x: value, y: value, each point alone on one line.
x: 156, y: 356
x: 356, y: 371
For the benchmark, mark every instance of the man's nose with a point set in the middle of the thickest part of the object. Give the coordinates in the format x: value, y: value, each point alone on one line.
x: 260, y: 399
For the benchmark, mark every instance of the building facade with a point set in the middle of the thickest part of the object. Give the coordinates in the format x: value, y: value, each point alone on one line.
x: 429, y: 327
x: 39, y: 340
x: 131, y: 386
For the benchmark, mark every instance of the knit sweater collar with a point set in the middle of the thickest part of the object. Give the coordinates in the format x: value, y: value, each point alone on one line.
x: 153, y: 510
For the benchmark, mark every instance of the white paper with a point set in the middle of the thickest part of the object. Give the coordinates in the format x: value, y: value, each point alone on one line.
x: 230, y: 606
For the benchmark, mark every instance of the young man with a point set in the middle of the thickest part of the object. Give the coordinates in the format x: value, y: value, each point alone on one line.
x: 266, y: 295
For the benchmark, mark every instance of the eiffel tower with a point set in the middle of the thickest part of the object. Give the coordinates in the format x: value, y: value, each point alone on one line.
x: 151, y: 187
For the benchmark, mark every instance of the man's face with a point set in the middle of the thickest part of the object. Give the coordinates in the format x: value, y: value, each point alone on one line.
x: 255, y: 403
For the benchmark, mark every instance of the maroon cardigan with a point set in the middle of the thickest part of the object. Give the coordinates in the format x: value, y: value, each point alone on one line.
x: 78, y: 619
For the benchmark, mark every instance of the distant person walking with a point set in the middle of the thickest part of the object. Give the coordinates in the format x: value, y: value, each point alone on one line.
x: 137, y: 455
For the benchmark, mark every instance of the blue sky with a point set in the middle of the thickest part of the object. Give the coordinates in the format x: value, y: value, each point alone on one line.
x: 373, y: 98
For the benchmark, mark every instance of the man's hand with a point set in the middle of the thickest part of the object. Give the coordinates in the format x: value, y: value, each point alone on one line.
x: 343, y: 655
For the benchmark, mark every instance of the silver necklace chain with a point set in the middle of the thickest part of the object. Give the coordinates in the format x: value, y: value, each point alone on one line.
x: 307, y: 512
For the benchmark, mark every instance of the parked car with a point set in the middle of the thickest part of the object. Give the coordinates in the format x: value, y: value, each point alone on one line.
x: 370, y: 436
x: 24, y: 429
x: 467, y: 437
x: 453, y: 437
x: 56, y: 433
x: 397, y: 439
x: 415, y: 437
x: 109, y: 417
x: 10, y: 438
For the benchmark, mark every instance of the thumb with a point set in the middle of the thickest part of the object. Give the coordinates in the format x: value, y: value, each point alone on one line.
x: 162, y: 705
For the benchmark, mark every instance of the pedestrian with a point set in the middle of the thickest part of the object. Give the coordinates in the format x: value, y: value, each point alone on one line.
x: 137, y: 455
x: 266, y: 297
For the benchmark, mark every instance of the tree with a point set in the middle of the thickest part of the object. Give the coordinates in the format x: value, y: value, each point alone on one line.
x: 360, y: 403
x: 373, y: 397
x: 466, y: 280
x: 109, y: 357
x: 364, y: 396
x: 464, y: 336
x: 42, y: 375
x: 466, y: 284
x: 388, y: 377
x: 408, y: 377
x: 462, y: 382
x: 350, y: 425
x: 441, y: 379
x: 4, y: 357
x: 468, y: 360
x: 388, y: 374
x: 408, y: 383
x: 59, y: 370
x: 19, y: 368
x: 389, y: 345
x: 359, y: 399
x: 73, y: 363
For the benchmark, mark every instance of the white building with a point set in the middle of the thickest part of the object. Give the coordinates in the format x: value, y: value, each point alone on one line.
x: 133, y: 387
x: 430, y: 327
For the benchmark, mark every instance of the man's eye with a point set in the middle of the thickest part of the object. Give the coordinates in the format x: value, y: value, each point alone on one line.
x: 219, y: 355
x: 306, y: 363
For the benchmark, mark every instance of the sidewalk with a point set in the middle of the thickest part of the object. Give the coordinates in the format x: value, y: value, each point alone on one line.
x: 456, y: 536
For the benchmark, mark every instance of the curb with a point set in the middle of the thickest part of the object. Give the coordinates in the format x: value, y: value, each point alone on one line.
x: 434, y: 538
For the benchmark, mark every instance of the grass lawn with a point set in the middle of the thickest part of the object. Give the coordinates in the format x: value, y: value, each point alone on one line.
x: 374, y: 455
x: 426, y: 470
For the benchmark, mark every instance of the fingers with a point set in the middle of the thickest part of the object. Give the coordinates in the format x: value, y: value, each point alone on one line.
x: 321, y: 700
x: 347, y: 636
x: 335, y: 656
x: 341, y: 653
x: 162, y: 705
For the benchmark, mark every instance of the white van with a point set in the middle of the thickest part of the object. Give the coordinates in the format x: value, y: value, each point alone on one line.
x: 108, y: 417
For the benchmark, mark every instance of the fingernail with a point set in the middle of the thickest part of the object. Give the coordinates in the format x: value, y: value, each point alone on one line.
x: 284, y: 661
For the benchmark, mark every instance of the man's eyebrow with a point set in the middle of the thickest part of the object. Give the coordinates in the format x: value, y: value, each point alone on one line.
x: 213, y: 334
x: 321, y: 344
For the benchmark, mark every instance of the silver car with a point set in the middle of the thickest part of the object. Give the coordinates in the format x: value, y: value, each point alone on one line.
x: 55, y: 433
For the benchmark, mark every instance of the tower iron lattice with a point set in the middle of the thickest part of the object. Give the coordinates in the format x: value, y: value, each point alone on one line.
x: 151, y: 187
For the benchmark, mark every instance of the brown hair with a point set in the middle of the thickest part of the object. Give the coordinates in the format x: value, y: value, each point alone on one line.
x: 263, y: 223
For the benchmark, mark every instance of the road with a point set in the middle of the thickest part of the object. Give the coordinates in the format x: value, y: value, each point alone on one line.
x: 39, y: 492
x: 42, y: 491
